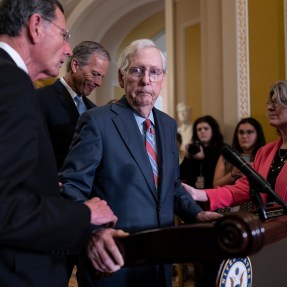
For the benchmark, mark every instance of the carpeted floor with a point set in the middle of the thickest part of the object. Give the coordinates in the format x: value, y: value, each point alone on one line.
x: 187, y: 278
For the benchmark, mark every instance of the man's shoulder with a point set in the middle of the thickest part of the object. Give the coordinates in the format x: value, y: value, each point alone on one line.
x: 11, y: 75
x: 101, y: 111
x: 5, y: 58
x: 50, y: 94
x: 164, y: 117
x: 49, y: 88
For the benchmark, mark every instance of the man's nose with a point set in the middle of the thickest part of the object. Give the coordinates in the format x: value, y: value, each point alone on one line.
x: 146, y: 77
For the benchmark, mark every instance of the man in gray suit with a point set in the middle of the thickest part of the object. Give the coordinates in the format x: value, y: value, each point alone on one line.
x: 86, y: 69
x: 109, y: 159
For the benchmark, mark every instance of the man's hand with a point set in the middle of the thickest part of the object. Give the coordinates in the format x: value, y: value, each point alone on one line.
x: 103, y: 251
x: 204, y: 216
x: 101, y: 213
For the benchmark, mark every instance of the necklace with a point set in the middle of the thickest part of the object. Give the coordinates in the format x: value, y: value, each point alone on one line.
x: 282, y: 157
x: 278, y: 161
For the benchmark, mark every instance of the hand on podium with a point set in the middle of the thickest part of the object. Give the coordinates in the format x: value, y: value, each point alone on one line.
x: 205, y: 216
x: 104, y: 253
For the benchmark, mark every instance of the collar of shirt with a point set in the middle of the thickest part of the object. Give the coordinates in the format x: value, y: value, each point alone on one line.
x: 15, y: 56
x: 140, y: 120
x: 70, y: 90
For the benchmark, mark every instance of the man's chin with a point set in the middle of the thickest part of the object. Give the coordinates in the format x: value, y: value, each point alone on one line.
x: 44, y: 76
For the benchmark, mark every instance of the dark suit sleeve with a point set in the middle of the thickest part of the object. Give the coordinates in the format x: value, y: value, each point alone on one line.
x: 46, y: 225
x: 33, y: 216
x: 185, y: 206
x: 78, y: 171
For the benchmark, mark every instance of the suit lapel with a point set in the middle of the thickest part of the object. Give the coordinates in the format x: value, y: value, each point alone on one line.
x: 162, y: 129
x: 129, y: 131
x: 68, y: 103
x: 88, y: 103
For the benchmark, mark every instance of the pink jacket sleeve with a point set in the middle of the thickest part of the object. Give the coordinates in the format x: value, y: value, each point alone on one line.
x: 232, y: 195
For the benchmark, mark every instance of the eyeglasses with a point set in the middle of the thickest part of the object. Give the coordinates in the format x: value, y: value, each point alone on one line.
x: 65, y: 33
x: 276, y: 103
x: 247, y: 132
x: 137, y: 72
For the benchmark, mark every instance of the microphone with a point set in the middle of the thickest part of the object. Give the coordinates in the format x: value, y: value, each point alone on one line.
x: 256, y: 181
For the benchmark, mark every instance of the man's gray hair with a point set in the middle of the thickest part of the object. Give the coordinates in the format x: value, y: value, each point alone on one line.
x: 84, y: 50
x: 133, y: 49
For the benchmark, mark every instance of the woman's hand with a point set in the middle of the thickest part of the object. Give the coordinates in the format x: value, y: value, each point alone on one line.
x: 236, y: 173
x: 196, y: 194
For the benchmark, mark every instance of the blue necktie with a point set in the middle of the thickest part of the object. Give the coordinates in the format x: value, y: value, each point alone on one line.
x: 80, y: 104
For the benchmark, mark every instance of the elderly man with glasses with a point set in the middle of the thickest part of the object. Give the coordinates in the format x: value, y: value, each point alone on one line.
x: 126, y: 153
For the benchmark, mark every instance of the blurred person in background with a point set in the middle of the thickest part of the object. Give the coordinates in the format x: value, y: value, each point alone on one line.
x: 269, y: 162
x: 198, y: 166
x: 248, y: 137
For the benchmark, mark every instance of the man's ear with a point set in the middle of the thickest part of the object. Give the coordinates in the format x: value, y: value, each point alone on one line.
x: 74, y: 65
x: 163, y: 80
x: 35, y: 28
x: 120, y: 78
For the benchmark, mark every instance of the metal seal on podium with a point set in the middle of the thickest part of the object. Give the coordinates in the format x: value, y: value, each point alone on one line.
x: 235, y: 272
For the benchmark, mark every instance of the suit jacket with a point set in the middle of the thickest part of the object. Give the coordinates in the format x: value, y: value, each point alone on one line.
x: 232, y: 195
x: 37, y: 227
x: 61, y: 115
x: 108, y: 159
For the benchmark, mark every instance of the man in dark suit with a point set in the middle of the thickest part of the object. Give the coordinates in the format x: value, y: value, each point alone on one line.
x: 85, y: 71
x: 108, y: 158
x: 37, y: 227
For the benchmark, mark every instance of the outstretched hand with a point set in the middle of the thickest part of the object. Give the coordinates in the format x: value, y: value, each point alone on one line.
x: 103, y: 251
x: 196, y: 194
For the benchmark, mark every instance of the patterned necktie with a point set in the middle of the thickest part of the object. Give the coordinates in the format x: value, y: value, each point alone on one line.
x: 150, y: 147
x: 80, y: 104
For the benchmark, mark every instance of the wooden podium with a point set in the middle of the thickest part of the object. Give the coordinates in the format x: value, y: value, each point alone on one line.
x: 251, y: 252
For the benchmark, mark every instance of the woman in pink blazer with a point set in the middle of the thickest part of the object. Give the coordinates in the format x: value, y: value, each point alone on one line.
x: 270, y: 160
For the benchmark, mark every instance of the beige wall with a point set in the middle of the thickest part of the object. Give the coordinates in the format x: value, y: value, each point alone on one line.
x: 198, y: 56
x: 186, y: 14
x: 147, y: 29
x: 267, y: 60
x: 209, y: 39
x: 192, y: 69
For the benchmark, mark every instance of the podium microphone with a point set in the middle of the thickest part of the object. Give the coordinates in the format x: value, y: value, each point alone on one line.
x: 254, y: 178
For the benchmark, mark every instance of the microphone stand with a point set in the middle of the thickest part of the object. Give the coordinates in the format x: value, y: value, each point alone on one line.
x: 257, y: 200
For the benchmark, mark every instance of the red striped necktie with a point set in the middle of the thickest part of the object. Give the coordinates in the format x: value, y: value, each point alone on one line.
x: 150, y: 147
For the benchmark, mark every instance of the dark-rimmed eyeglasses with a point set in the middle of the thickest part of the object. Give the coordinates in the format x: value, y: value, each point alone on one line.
x: 65, y: 33
x: 138, y: 72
